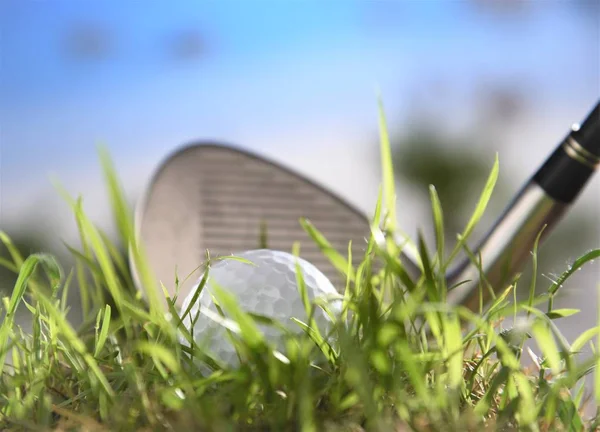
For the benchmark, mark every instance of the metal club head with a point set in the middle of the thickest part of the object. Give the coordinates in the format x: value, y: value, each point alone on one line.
x: 214, y: 196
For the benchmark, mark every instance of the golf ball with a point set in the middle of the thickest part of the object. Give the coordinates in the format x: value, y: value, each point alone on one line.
x: 268, y: 286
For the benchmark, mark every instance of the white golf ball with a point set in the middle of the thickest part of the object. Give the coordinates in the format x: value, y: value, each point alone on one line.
x: 267, y: 287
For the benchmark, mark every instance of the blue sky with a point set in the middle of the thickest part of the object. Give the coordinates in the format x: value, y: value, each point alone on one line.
x: 276, y: 75
x: 247, y: 34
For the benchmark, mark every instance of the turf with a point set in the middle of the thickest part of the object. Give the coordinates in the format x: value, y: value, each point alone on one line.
x: 399, y: 358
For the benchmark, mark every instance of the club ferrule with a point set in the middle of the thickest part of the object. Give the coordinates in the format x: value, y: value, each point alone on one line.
x: 566, y: 172
x: 577, y: 152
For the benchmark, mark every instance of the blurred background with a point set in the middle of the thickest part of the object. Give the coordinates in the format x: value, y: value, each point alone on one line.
x: 296, y: 82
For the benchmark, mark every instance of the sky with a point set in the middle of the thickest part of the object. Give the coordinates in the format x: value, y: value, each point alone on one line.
x: 296, y: 81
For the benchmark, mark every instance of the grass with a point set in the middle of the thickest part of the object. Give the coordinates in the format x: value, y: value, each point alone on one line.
x: 402, y: 359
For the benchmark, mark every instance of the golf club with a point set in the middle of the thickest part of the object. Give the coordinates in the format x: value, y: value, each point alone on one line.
x: 540, y: 204
x: 214, y: 196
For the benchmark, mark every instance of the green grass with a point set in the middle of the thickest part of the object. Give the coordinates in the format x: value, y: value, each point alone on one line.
x: 402, y: 358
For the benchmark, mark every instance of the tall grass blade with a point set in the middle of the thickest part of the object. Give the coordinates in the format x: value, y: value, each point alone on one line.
x: 387, y: 167
x: 484, y: 199
x: 336, y: 259
x: 26, y: 272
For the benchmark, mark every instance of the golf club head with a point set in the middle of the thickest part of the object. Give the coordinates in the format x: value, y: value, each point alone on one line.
x: 213, y: 196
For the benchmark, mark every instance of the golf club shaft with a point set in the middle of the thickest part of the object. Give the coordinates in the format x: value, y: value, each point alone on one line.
x: 540, y: 204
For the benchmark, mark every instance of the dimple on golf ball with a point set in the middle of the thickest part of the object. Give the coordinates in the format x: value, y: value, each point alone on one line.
x: 268, y: 286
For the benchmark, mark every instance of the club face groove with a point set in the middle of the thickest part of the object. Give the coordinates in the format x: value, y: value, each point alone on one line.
x: 217, y: 197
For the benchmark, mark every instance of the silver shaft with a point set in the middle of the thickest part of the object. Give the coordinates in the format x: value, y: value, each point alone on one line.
x: 540, y: 204
x: 507, y: 246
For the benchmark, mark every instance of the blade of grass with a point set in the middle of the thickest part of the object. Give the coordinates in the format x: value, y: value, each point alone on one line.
x: 336, y: 259
x: 160, y: 354
x: 27, y: 269
x: 453, y: 351
x: 124, y: 221
x: 387, y: 167
x: 547, y: 344
x: 534, y: 269
x: 12, y: 250
x: 484, y: 199
x: 579, y: 262
x: 103, y: 331
x: 438, y: 223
